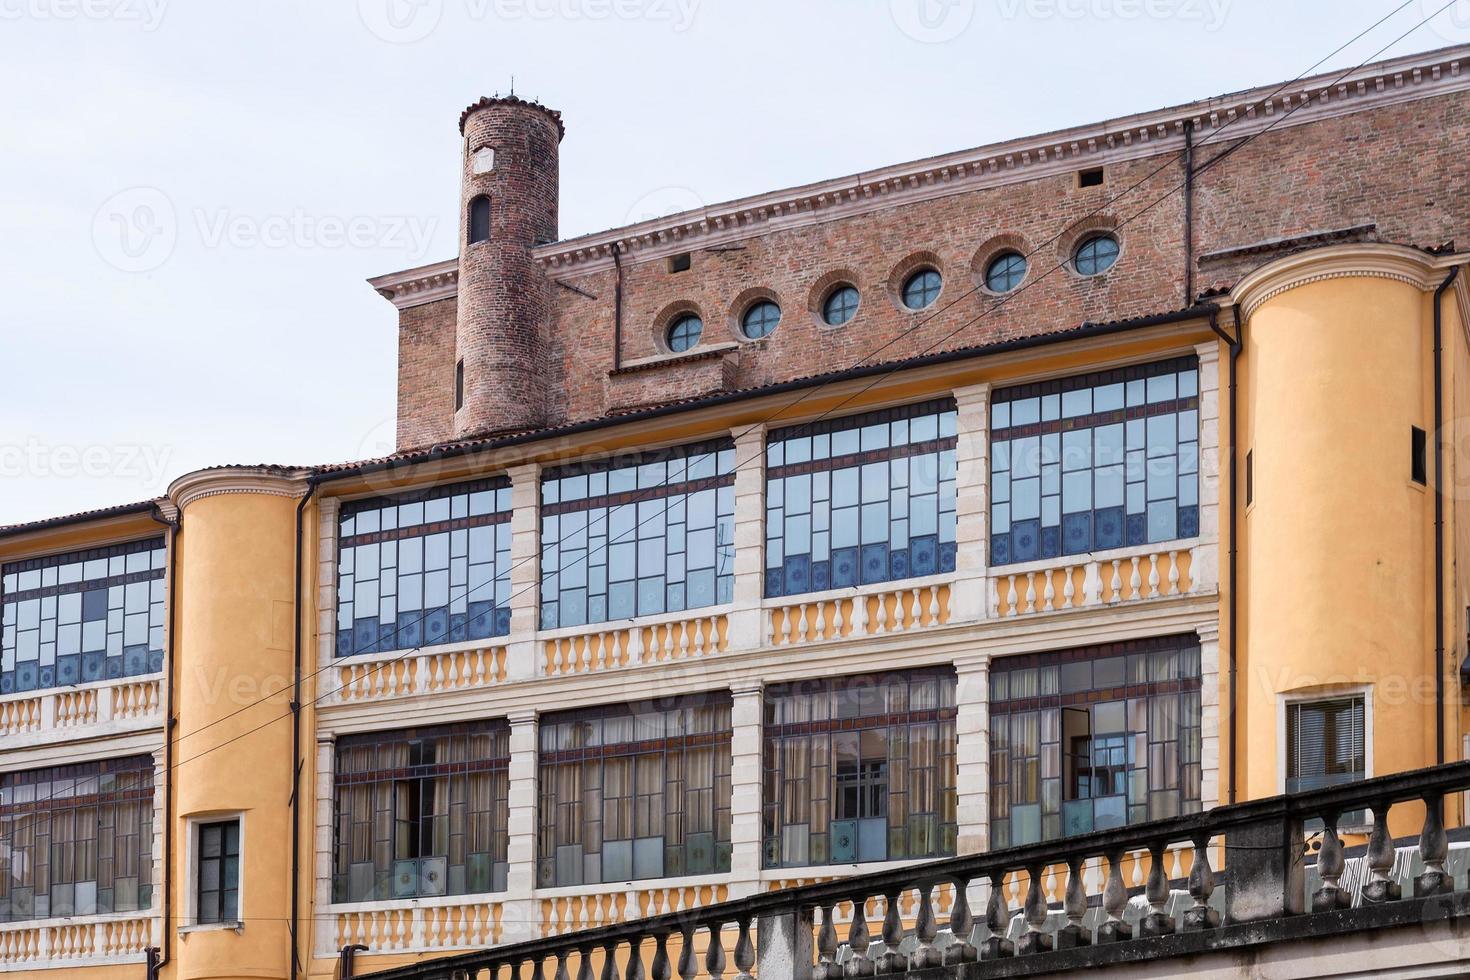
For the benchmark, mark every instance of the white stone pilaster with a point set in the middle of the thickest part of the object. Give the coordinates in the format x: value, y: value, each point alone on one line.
x: 328, y: 510
x: 970, y: 600
x: 1206, y: 568
x: 162, y: 837
x: 972, y: 756
x: 745, y: 789
x: 519, y: 916
x: 324, y: 816
x: 525, y: 570
x: 1209, y: 720
x: 746, y: 622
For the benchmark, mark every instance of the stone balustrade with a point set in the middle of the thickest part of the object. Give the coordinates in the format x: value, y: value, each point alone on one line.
x: 75, y: 942
x: 83, y: 711
x: 1104, y: 579
x: 1225, y: 878
x: 892, y: 607
x: 656, y: 639
x: 404, y: 673
x: 420, y: 927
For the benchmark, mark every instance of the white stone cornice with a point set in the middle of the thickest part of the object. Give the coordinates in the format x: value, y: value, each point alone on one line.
x: 415, y: 287
x: 273, y: 481
x: 1372, y: 259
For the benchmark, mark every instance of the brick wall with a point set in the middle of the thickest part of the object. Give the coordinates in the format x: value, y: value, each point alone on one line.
x: 1400, y: 167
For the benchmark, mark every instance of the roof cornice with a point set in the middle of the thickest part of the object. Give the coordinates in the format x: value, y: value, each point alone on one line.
x: 270, y: 480
x: 1382, y: 260
x: 1404, y: 79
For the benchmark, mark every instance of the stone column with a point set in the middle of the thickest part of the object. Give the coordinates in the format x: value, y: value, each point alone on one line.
x: 1206, y: 569
x: 1209, y: 714
x: 971, y: 599
x: 745, y: 789
x: 746, y: 621
x: 519, y: 914
x: 326, y: 766
x: 522, y: 657
x: 972, y: 756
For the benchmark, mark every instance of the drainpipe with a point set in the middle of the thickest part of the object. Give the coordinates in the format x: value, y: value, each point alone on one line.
x: 158, y: 958
x: 617, y: 253
x: 1236, y: 343
x: 295, y: 801
x: 1189, y: 212
x: 346, y: 960
x: 1439, y: 516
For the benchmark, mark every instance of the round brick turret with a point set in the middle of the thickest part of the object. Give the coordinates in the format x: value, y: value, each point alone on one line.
x: 510, y: 159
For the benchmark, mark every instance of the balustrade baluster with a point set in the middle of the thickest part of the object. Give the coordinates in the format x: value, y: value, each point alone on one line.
x: 1115, y: 584
x: 1030, y: 592
x: 688, y: 963
x: 1049, y: 593
x: 1433, y: 849
x: 961, y: 923
x: 857, y: 940
x: 1174, y: 582
x: 1074, y: 904
x: 714, y: 954
x: 1069, y: 591
x: 1011, y: 597
x: 1202, y: 886
x: 893, y: 961
x: 1114, y: 901
x: 744, y: 952
x: 998, y: 920
x: 1380, y: 887
x: 1157, y: 922
x: 536, y: 973
x: 634, y: 969
x: 1330, y: 866
x: 660, y: 969
x: 926, y: 930
x: 827, y: 968
x: 561, y: 964
x: 1034, y: 939
x: 584, y: 968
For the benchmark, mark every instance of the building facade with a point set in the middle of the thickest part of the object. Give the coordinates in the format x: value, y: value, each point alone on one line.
x: 1083, y: 480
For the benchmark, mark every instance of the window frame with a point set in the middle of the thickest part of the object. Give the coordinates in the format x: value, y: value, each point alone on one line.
x: 826, y: 308
x: 679, y: 332
x: 925, y: 283
x: 1092, y: 238
x: 1284, y: 703
x: 760, y: 304
x: 193, y: 841
x: 1006, y: 255
x: 478, y: 220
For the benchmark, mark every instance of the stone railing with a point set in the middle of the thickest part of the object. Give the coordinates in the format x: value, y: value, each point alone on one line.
x: 891, y: 607
x: 560, y: 914
x: 653, y: 639
x: 75, y: 942
x: 421, y: 927
x: 1229, y: 878
x: 402, y: 673
x: 1101, y: 579
x: 129, y: 702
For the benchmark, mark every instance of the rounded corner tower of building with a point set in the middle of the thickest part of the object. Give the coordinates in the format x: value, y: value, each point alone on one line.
x: 508, y: 206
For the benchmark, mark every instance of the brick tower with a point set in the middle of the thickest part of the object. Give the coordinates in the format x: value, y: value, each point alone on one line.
x: 508, y: 205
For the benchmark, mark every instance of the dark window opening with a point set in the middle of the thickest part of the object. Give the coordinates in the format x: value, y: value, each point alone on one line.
x: 1325, y: 744
x: 1250, y: 477
x: 459, y: 385
x: 1418, y: 464
x: 679, y: 263
x: 1090, y: 178
x: 480, y: 219
x: 218, y: 894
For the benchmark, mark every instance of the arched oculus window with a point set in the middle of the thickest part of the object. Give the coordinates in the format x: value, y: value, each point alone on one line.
x: 840, y: 306
x: 760, y: 320
x: 1095, y: 255
x: 1005, y: 272
x: 684, y: 333
x: 921, y: 289
x: 480, y: 219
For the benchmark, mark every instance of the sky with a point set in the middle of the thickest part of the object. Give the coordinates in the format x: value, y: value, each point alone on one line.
x: 193, y: 192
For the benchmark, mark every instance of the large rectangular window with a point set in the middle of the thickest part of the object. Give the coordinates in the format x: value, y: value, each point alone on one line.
x: 1325, y: 743
x: 635, y: 791
x: 421, y: 812
x: 83, y: 616
x: 1094, y: 462
x: 860, y: 769
x: 76, y: 840
x: 864, y: 499
x: 637, y: 536
x: 1093, y: 738
x: 424, y: 568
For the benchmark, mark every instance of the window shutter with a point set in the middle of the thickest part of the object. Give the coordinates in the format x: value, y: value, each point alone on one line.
x: 1325, y: 743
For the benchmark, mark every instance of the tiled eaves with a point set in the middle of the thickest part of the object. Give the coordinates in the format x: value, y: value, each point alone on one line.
x: 1134, y: 137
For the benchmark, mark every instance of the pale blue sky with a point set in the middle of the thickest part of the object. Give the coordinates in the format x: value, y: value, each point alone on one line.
x: 287, y: 151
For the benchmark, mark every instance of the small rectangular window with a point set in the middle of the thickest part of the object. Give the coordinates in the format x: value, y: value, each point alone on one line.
x: 1250, y: 477
x: 1090, y: 178
x: 1418, y: 465
x: 679, y: 263
x: 217, y: 894
x: 1325, y: 743
x: 459, y: 385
